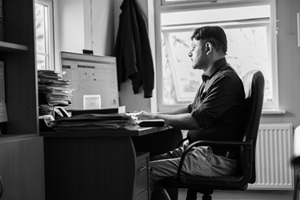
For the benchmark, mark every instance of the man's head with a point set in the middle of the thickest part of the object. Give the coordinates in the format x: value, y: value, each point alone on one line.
x: 213, y: 34
x: 209, y: 43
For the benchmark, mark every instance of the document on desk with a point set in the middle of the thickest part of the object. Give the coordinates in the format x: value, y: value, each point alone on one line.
x: 150, y: 122
x: 101, y: 121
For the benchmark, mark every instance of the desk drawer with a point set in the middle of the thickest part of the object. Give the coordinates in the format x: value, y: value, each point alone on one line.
x: 142, y: 176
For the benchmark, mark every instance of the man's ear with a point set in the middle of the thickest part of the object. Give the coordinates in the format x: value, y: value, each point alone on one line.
x: 208, y: 47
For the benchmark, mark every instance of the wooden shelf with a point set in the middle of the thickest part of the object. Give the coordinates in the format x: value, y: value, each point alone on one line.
x: 7, y: 46
x: 21, y: 142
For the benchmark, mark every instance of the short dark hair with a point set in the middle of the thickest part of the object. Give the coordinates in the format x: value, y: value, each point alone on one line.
x: 212, y: 34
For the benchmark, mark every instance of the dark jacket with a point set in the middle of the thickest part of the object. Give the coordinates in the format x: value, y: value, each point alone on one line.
x: 132, y: 50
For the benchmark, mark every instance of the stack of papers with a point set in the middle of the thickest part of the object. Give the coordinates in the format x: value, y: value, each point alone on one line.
x: 99, y: 121
x: 55, y: 88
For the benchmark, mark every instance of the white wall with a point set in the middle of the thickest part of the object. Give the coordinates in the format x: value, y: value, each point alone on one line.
x: 84, y: 24
x: 68, y: 27
x: 70, y: 24
x: 99, y: 29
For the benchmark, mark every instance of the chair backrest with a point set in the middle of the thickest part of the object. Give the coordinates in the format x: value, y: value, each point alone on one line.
x: 254, y: 93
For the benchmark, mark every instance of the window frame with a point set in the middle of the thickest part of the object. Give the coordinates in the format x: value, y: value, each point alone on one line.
x: 49, y: 39
x: 161, y: 6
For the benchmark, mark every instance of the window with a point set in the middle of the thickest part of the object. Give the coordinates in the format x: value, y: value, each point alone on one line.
x: 250, y: 27
x: 44, y: 34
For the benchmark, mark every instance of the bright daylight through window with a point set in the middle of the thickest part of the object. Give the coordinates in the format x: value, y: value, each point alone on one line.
x: 44, y: 34
x: 251, y: 35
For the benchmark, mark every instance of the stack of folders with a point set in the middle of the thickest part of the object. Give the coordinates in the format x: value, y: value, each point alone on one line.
x: 54, y: 90
x: 94, y: 121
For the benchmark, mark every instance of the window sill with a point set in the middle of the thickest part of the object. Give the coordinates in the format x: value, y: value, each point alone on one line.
x: 273, y: 111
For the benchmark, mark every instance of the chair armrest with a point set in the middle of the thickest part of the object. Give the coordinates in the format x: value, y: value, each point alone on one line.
x: 247, y: 145
x: 181, y: 142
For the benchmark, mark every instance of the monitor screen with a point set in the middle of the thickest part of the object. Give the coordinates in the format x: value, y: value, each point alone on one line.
x: 94, y: 80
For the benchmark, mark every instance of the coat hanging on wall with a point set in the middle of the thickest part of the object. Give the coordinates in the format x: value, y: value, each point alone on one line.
x: 133, y: 51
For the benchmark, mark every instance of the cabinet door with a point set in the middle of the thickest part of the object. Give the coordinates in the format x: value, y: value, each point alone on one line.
x: 22, y: 168
x: 141, y: 188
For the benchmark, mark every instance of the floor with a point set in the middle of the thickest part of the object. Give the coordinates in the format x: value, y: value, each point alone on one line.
x: 245, y: 195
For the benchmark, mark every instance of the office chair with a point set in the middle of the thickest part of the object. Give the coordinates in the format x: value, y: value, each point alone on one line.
x: 254, y: 90
x: 296, y: 162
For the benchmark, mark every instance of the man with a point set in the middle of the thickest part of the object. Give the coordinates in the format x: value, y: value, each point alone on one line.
x: 217, y: 112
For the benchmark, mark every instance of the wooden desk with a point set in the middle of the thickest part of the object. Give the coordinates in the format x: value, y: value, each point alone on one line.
x: 93, y: 164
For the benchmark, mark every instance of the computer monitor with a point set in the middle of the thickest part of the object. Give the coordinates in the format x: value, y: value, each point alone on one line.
x: 94, y: 80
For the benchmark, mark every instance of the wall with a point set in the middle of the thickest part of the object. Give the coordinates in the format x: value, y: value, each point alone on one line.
x: 70, y: 25
x: 84, y: 24
x: 99, y: 29
x: 288, y: 63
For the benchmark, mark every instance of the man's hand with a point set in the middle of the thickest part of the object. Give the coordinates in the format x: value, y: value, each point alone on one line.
x: 144, y: 115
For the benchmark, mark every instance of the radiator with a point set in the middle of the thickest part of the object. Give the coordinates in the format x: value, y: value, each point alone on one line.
x: 273, y: 155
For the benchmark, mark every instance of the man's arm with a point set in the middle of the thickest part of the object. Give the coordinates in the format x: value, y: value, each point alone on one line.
x: 178, y: 111
x: 182, y: 121
x: 177, y: 119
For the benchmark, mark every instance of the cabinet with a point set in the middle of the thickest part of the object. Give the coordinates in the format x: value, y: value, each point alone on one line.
x: 141, y: 189
x: 21, y: 148
x: 21, y: 167
x: 18, y: 54
x: 97, y: 164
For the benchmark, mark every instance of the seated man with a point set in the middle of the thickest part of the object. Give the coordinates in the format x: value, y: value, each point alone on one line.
x: 217, y: 113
